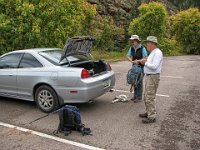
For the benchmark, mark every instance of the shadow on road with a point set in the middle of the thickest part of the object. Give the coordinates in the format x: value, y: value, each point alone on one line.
x: 17, y: 102
x: 23, y: 104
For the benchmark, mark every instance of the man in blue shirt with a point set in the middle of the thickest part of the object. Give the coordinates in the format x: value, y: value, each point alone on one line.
x: 136, y: 53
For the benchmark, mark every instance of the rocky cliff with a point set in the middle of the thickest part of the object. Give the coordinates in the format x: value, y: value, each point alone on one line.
x: 123, y: 11
x: 120, y: 10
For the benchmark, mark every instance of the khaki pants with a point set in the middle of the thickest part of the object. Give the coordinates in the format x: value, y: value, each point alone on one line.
x: 150, y: 88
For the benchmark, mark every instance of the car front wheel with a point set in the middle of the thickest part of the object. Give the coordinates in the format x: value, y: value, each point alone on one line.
x: 46, y: 99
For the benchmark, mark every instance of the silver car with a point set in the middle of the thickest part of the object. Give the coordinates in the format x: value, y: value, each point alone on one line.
x: 52, y: 77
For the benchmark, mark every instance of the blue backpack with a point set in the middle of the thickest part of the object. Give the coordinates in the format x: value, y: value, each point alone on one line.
x: 134, y: 75
x: 70, y: 119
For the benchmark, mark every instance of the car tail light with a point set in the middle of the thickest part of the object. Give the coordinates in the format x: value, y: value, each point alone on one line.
x: 85, y: 74
x: 73, y: 92
x: 109, y: 67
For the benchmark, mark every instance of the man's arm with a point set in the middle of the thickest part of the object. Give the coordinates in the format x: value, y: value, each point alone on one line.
x: 144, y: 55
x: 129, y: 57
x: 155, y: 63
x: 133, y: 62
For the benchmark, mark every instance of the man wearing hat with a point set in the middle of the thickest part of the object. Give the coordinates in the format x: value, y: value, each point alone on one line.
x: 152, y: 70
x: 134, y: 55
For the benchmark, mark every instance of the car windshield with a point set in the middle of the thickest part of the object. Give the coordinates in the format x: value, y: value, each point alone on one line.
x: 54, y: 57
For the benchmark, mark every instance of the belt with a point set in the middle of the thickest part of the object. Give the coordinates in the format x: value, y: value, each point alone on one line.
x: 152, y: 74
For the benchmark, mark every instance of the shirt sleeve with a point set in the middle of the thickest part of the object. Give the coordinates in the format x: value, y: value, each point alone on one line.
x: 129, y: 52
x: 156, y: 61
x: 144, y: 52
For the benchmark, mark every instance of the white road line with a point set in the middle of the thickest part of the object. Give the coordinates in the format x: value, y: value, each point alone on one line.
x: 51, y: 137
x: 121, y: 91
x: 162, y: 95
x: 133, y: 92
x: 175, y: 77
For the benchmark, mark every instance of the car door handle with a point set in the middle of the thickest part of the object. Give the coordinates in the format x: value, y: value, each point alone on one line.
x: 10, y: 75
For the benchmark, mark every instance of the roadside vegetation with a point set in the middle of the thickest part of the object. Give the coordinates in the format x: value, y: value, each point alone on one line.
x: 35, y: 23
x: 177, y: 34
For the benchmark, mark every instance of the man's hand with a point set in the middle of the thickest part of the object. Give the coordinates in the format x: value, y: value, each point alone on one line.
x: 143, y: 61
x: 130, y: 59
x: 134, y: 62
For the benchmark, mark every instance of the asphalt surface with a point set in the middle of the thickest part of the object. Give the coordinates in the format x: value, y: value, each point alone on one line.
x: 117, y: 126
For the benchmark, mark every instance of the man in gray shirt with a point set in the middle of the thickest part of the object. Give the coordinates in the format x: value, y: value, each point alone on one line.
x: 152, y: 70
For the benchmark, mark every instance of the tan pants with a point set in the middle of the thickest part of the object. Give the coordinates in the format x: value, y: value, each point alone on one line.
x: 150, y: 88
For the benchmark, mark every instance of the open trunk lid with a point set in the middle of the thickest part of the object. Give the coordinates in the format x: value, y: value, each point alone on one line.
x: 78, y: 45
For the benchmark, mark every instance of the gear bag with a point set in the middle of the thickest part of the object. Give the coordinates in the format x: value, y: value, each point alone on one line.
x: 70, y: 119
x: 134, y: 75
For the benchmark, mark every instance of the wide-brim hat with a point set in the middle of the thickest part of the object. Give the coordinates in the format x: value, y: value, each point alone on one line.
x: 151, y: 39
x: 135, y: 37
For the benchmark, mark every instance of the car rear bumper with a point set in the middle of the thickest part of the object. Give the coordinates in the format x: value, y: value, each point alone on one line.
x: 89, y: 89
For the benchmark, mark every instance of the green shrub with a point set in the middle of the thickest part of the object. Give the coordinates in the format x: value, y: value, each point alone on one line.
x: 33, y: 23
x: 170, y: 47
x: 151, y: 21
x: 107, y: 34
x: 185, y: 26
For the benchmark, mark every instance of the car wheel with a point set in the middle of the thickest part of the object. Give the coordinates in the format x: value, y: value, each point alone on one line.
x: 46, y: 99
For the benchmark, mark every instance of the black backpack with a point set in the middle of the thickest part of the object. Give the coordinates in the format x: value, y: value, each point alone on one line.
x: 70, y: 119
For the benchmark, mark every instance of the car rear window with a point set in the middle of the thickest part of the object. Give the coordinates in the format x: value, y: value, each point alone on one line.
x: 54, y: 56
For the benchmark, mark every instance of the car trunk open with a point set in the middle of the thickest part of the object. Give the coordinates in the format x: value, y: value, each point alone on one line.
x: 93, y: 67
x: 78, y: 45
x: 82, y: 46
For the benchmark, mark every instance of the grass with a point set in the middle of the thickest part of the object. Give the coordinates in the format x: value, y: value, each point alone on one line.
x: 109, y: 56
x: 115, y: 56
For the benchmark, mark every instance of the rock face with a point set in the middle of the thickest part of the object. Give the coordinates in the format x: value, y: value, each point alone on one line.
x: 123, y: 11
x: 120, y: 10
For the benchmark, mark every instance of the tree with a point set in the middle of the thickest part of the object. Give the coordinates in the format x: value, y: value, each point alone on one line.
x: 185, y: 27
x: 151, y: 21
x: 108, y: 35
x: 38, y: 23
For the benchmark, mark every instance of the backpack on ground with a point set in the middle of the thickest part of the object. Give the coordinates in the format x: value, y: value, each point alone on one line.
x: 70, y: 119
x: 134, y: 75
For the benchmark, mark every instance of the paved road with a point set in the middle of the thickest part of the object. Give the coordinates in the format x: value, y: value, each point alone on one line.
x: 117, y: 126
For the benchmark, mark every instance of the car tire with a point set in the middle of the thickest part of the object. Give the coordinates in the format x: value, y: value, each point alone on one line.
x: 46, y: 99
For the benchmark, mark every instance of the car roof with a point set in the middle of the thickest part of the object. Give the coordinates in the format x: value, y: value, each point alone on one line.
x: 32, y: 50
x: 36, y: 49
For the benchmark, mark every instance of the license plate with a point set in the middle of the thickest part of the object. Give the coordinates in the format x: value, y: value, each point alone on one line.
x: 106, y: 83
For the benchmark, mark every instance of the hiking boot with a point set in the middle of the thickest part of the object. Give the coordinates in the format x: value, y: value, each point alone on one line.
x: 148, y: 120
x: 137, y: 100
x: 133, y: 98
x: 144, y: 115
